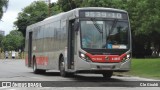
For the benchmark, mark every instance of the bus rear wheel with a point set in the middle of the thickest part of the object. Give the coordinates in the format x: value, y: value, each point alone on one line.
x: 108, y: 74
x: 35, y: 70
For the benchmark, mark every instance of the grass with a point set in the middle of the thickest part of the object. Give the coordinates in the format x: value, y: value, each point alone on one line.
x: 149, y: 68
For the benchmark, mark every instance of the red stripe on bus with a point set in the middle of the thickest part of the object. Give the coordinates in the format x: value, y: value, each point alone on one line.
x: 42, y: 60
x: 106, y: 58
x: 26, y: 60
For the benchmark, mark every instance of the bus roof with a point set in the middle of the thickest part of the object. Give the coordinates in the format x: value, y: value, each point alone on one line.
x: 72, y: 14
x: 100, y: 8
x: 75, y: 11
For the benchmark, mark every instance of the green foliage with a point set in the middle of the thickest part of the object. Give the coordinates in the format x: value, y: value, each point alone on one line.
x: 1, y: 38
x: 13, y: 41
x: 3, y: 6
x: 145, y: 19
x: 67, y: 5
x: 31, y: 14
x: 55, y: 9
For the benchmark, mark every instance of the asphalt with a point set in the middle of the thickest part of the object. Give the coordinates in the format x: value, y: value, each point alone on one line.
x: 14, y: 70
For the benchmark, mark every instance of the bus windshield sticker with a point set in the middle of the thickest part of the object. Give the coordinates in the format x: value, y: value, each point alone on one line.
x: 115, y: 46
x: 123, y: 47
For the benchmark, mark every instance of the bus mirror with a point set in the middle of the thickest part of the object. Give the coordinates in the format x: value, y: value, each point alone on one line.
x: 76, y: 26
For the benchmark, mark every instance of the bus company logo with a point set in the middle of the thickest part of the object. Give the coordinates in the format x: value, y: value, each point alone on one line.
x: 106, y: 58
x: 6, y: 84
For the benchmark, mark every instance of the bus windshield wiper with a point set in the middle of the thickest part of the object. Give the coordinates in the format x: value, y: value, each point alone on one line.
x: 113, y: 26
x: 111, y: 30
x: 97, y: 26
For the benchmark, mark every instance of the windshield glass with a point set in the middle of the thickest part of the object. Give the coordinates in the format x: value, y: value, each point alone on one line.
x: 104, y: 34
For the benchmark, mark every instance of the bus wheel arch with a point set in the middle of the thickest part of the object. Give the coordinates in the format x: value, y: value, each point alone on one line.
x: 60, y: 56
x: 35, y: 69
x: 62, y: 66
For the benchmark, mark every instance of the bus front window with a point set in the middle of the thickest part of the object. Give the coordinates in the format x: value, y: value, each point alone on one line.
x: 104, y: 34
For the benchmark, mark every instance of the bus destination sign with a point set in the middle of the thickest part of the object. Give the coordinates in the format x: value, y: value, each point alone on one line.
x: 103, y: 14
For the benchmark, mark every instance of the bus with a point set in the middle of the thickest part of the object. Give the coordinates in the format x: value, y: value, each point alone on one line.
x: 83, y: 40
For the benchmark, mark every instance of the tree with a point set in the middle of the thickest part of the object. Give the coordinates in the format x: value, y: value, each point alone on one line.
x: 31, y: 14
x: 67, y: 5
x: 145, y: 19
x: 1, y: 38
x: 3, y: 7
x: 55, y: 9
x: 13, y: 41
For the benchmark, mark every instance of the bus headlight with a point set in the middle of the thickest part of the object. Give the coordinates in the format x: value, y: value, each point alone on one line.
x: 84, y: 57
x: 127, y: 57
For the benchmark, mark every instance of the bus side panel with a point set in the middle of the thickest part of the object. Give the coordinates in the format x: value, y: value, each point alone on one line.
x: 54, y: 44
x: 38, y: 44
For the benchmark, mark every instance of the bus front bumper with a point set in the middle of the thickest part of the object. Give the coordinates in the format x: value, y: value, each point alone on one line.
x: 82, y: 65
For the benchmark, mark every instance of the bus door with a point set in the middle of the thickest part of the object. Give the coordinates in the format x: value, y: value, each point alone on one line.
x: 71, y: 40
x: 30, y: 49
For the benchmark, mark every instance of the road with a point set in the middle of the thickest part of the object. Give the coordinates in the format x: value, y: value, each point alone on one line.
x: 15, y: 70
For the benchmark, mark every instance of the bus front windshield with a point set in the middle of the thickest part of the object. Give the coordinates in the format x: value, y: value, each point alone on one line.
x: 113, y: 34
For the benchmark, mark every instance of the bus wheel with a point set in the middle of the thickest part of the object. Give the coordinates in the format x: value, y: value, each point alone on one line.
x: 63, y: 73
x: 35, y: 70
x: 108, y: 74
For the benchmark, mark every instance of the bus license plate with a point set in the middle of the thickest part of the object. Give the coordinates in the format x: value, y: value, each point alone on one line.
x: 106, y: 67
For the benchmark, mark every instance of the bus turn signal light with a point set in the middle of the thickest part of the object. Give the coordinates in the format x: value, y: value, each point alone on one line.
x: 84, y: 57
x: 127, y: 57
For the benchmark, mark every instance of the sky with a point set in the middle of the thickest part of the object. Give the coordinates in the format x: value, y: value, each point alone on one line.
x: 14, y: 7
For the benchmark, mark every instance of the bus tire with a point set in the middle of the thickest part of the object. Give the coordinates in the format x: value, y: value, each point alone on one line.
x: 35, y: 70
x: 63, y: 73
x: 108, y: 74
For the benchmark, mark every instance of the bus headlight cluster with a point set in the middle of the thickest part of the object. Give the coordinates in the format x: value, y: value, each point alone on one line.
x: 84, y: 57
x: 127, y: 57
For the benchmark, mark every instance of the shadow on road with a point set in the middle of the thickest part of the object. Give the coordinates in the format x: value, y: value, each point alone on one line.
x: 51, y: 74
x: 94, y: 79
x: 88, y: 78
x: 47, y: 74
x: 87, y: 81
